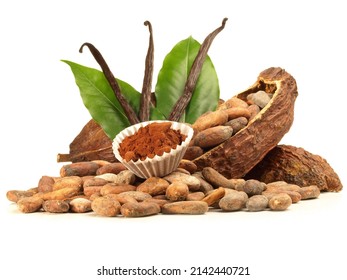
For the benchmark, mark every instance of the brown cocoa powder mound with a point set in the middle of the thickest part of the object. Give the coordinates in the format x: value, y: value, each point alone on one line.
x: 153, y: 139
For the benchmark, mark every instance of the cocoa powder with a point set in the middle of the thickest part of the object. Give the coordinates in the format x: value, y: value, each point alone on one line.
x: 153, y: 139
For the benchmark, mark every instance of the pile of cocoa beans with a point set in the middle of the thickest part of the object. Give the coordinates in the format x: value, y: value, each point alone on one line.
x: 109, y: 189
x: 215, y: 127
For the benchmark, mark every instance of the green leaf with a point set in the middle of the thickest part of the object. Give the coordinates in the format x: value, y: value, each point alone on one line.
x: 99, y: 98
x: 173, y: 76
x: 155, y: 114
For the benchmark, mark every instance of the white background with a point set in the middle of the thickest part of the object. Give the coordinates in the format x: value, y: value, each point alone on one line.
x: 41, y: 112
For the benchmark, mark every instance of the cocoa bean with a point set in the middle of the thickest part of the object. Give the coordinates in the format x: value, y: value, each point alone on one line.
x: 153, y: 186
x: 109, y: 177
x: 193, y: 152
x: 67, y: 182
x: 233, y: 201
x: 237, y: 124
x: 94, y: 195
x: 309, y: 192
x: 238, y: 112
x: 100, y: 162
x: 79, y: 169
x: 228, y: 191
x: 237, y: 184
x: 233, y: 102
x: 214, y: 196
x: 76, y: 196
x: 282, y: 186
x: 205, y: 186
x: 80, y: 205
x: 29, y: 204
x: 106, y: 206
x: 216, y: 179
x: 257, y: 203
x: 85, y: 178
x: 185, y: 207
x: 159, y: 196
x: 158, y: 201
x: 125, y: 177
x: 177, y: 191
x: 187, y: 165
x: 139, y: 209
x: 60, y: 194
x: 295, y: 196
x: 192, y: 182
x: 91, y: 190
x: 45, y: 184
x: 260, y: 98
x: 280, y: 202
x: 116, y: 189
x: 125, y: 198
x: 253, y: 187
x: 210, y: 119
x: 213, y: 136
x: 139, y: 196
x: 94, y: 182
x: 254, y: 111
x: 55, y: 206
x: 181, y: 170
x: 15, y: 195
x: 194, y: 196
x: 275, y: 184
x: 115, y: 168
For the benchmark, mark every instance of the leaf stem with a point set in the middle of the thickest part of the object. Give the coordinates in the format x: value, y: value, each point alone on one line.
x: 130, y: 113
x: 147, y: 80
x: 183, y: 101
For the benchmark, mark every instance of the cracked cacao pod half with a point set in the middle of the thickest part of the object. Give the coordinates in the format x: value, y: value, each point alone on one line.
x: 296, y: 166
x: 236, y: 156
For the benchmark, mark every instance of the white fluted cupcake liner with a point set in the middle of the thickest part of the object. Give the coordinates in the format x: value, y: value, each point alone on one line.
x: 158, y: 166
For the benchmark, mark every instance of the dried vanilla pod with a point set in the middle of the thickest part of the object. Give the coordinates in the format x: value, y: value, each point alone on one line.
x: 235, y: 157
x: 296, y: 166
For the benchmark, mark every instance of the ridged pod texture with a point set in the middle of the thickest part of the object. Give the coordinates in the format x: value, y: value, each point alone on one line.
x: 296, y: 166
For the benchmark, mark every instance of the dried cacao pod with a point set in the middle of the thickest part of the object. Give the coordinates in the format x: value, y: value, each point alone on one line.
x: 235, y: 157
x: 90, y: 144
x: 296, y: 166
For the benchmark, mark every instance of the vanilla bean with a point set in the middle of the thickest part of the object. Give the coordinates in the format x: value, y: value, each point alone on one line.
x: 193, y: 76
x: 130, y: 113
x: 147, y: 80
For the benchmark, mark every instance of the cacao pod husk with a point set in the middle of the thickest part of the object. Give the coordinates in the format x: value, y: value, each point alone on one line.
x: 90, y: 144
x: 235, y: 157
x: 296, y: 166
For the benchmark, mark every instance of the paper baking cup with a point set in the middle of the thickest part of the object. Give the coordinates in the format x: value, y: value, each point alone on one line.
x: 158, y: 166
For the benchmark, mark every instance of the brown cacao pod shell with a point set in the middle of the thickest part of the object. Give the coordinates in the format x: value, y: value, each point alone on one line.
x: 235, y: 157
x: 296, y: 166
x: 90, y: 144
